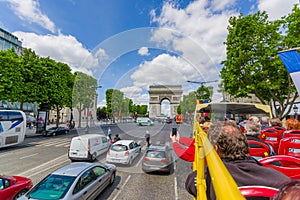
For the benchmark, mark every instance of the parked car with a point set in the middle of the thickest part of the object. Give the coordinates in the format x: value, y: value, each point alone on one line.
x: 12, y: 187
x: 53, y: 131
x: 158, y: 158
x: 78, y: 180
x: 123, y: 152
x: 88, y: 147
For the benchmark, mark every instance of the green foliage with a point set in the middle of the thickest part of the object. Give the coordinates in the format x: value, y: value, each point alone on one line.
x: 252, y: 65
x: 10, y: 75
x: 292, y: 24
x: 188, y: 103
x: 204, y: 93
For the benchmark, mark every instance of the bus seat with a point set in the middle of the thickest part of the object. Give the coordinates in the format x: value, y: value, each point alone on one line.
x: 271, y: 136
x: 291, y: 133
x: 289, y: 165
x: 258, y: 191
x: 290, y: 146
x: 258, y: 149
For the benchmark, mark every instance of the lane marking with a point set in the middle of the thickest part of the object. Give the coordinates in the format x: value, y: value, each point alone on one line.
x: 122, y: 187
x: 28, y: 156
x: 30, y: 171
x: 175, y: 188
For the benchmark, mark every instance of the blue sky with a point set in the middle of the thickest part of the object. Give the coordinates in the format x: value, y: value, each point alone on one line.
x: 129, y: 45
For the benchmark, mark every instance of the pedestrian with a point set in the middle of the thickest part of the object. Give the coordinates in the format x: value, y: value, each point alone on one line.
x: 117, y: 138
x: 109, y: 133
x: 147, y: 138
x: 252, y: 131
x: 232, y: 147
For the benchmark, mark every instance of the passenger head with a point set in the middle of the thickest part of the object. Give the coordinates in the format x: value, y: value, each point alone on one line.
x: 265, y: 121
x: 289, y: 191
x: 275, y: 122
x: 252, y: 126
x: 228, y: 140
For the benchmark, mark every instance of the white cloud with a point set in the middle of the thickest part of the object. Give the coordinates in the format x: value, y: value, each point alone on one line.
x: 143, y: 51
x: 29, y: 11
x: 164, y: 69
x: 202, y: 28
x: 62, y: 48
x: 277, y: 8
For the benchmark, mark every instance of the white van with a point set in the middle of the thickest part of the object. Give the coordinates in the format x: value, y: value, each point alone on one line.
x: 88, y: 147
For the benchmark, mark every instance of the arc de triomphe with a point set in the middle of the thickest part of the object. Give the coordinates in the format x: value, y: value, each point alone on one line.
x: 158, y: 93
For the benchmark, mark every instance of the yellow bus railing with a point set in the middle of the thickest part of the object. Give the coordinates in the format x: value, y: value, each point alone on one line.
x: 223, y: 183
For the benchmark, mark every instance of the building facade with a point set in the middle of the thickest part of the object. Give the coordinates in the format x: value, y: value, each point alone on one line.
x: 8, y: 41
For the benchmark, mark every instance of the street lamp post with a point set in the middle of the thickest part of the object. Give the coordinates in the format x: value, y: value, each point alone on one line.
x: 295, y: 108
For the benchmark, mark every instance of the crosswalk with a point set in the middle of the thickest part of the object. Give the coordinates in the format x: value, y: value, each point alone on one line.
x: 55, y: 142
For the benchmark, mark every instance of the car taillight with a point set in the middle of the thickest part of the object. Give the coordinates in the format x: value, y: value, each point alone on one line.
x: 165, y: 160
x: 146, y: 159
x: 126, y: 153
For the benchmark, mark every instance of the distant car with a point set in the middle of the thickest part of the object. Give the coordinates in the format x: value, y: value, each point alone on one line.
x: 144, y: 121
x: 158, y: 158
x: 78, y: 180
x: 53, y: 131
x: 12, y: 187
x: 169, y: 120
x: 123, y: 152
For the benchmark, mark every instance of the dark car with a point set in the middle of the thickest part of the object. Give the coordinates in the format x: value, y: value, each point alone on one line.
x: 75, y: 181
x: 56, y: 131
x: 12, y: 187
x: 169, y: 120
x: 158, y: 158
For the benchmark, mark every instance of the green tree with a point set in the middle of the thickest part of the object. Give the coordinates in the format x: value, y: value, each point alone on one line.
x: 114, y: 101
x: 188, y: 103
x: 60, y: 86
x: 10, y: 75
x: 204, y: 93
x: 252, y: 65
x: 291, y: 23
x: 84, y: 93
x: 32, y: 71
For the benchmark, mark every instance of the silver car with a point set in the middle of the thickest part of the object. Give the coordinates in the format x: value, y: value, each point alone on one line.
x: 79, y: 180
x: 158, y: 158
x: 123, y: 152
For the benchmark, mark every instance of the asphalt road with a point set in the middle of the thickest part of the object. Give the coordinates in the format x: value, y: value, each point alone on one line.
x: 38, y: 156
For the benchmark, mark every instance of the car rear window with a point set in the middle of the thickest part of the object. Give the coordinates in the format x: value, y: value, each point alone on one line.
x: 155, y: 154
x: 119, y: 147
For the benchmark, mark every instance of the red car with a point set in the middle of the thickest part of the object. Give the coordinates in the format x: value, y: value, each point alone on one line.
x: 12, y: 187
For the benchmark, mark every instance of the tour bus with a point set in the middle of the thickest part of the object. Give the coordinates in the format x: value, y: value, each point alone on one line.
x: 232, y: 110
x: 12, y: 127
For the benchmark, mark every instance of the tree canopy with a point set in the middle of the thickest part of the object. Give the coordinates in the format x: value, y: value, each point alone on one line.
x: 253, y: 66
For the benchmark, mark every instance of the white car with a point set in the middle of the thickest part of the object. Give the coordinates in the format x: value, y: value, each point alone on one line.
x: 123, y: 152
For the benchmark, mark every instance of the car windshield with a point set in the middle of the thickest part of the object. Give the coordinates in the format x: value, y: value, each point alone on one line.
x: 155, y: 154
x: 119, y: 147
x: 52, y: 187
x: 52, y: 129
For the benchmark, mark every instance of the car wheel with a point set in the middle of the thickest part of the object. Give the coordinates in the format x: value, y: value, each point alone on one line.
x: 130, y: 162
x: 66, y: 132
x: 112, y: 178
x: 19, y: 194
x: 54, y: 134
x: 93, y: 157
